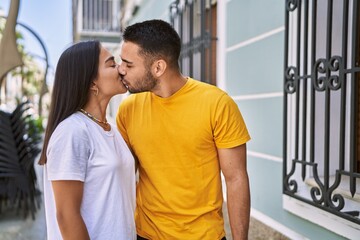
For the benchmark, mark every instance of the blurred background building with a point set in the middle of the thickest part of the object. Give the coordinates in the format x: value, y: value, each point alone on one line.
x: 293, y: 69
x: 97, y: 20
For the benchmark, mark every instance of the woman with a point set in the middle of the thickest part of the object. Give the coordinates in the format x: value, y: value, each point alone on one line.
x: 89, y: 172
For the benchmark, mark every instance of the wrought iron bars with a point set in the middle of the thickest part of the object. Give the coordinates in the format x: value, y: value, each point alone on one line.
x: 316, y: 78
x: 192, y: 20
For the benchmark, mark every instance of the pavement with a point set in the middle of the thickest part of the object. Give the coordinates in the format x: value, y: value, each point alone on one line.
x: 13, y: 226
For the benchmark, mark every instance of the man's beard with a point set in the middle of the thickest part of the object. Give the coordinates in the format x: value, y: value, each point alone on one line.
x: 145, y: 84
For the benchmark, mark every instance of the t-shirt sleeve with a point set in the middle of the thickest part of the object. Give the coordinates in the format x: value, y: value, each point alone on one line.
x: 68, y: 153
x: 229, y: 128
x: 120, y: 121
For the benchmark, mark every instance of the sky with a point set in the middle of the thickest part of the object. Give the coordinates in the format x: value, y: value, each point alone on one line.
x: 51, y: 20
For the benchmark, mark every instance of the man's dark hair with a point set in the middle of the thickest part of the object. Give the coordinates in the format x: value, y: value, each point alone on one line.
x: 156, y: 39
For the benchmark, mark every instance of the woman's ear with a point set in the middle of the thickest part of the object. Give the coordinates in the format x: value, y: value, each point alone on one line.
x: 94, y: 88
x: 159, y: 67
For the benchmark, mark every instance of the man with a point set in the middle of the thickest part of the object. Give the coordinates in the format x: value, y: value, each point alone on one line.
x: 183, y: 133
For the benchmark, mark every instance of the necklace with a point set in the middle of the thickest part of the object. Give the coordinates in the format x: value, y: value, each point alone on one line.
x: 94, y: 118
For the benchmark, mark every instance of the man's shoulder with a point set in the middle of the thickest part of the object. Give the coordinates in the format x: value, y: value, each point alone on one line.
x: 207, y: 90
x: 134, y: 99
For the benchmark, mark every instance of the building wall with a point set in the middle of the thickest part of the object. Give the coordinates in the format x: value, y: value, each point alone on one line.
x: 253, y: 76
x: 150, y: 9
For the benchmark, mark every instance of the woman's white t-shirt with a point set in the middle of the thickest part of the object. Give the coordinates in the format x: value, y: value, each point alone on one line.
x: 79, y: 149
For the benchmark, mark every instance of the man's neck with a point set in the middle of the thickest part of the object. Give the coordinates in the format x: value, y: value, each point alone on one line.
x: 169, y: 84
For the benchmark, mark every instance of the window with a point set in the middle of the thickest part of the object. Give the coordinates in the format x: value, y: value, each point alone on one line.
x: 195, y: 21
x: 100, y: 15
x: 321, y: 106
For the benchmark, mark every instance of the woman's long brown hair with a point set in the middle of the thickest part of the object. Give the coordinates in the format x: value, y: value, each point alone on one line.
x: 76, y: 70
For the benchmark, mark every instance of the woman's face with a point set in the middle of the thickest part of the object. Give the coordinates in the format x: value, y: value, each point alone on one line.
x: 108, y: 80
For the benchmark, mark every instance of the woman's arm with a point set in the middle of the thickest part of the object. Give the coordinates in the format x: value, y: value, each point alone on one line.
x: 68, y: 196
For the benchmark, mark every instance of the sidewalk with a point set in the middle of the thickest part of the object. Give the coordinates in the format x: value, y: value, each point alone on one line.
x: 13, y: 227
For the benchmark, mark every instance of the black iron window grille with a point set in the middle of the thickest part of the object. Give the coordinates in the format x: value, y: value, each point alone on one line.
x: 195, y: 21
x: 321, y: 82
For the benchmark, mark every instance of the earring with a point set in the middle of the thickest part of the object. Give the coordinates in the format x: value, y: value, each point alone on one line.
x: 96, y: 92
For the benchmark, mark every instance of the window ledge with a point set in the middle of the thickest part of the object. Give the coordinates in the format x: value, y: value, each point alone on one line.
x: 322, y: 218
x: 342, y: 189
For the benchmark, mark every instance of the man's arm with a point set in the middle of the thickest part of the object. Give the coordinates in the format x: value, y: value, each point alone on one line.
x: 233, y: 166
x: 68, y: 197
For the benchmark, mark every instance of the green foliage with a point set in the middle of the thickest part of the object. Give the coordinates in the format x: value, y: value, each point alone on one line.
x: 37, y: 125
x: 30, y: 74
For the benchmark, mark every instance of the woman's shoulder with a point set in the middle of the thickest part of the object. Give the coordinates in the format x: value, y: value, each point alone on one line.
x: 72, y: 130
x: 72, y: 124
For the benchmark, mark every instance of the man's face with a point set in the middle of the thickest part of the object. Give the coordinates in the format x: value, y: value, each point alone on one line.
x: 134, y: 70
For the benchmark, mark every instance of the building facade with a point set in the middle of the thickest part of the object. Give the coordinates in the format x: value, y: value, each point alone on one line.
x: 96, y: 19
x: 293, y: 68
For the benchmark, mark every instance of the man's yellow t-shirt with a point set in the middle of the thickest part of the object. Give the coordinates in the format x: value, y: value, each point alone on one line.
x: 179, y: 193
